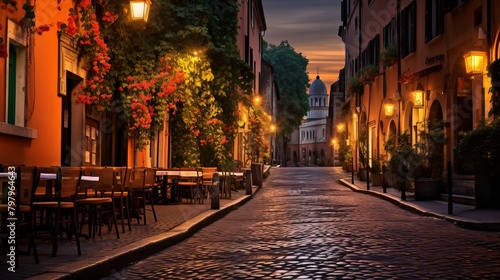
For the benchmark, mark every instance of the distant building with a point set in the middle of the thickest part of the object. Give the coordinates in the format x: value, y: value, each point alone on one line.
x: 310, y: 144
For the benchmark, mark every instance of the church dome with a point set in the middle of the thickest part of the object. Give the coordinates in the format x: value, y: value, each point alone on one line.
x: 317, y: 87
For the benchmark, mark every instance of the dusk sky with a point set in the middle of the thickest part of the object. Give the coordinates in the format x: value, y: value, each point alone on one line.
x: 311, y: 28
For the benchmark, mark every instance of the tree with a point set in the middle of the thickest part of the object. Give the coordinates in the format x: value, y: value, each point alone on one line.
x: 290, y: 69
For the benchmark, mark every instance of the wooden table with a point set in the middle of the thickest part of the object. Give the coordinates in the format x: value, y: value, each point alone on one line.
x: 174, y: 175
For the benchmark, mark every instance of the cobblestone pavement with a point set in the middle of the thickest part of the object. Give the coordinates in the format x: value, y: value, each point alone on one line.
x: 304, y: 225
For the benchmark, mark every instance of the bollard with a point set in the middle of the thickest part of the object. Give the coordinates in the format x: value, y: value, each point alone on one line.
x: 403, y: 190
x: 248, y: 181
x: 450, y: 189
x: 215, y: 198
x: 256, y: 169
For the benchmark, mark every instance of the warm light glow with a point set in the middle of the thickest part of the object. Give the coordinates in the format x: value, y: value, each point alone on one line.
x: 389, y: 109
x: 340, y: 127
x: 419, y: 96
x: 140, y: 9
x: 474, y: 62
x: 273, y: 128
x: 256, y: 99
x: 334, y: 141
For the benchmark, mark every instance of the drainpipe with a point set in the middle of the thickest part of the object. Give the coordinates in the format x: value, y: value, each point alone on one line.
x: 398, y: 58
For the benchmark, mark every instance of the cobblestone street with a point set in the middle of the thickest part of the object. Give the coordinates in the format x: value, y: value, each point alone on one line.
x: 304, y: 225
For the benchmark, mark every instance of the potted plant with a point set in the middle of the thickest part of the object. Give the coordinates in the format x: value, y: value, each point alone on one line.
x: 342, y: 152
x: 494, y: 74
x: 428, y: 171
x: 355, y: 86
x: 363, y: 155
x: 376, y: 173
x: 480, y: 149
x: 348, y: 158
x: 368, y: 73
x: 388, y: 56
x: 402, y: 161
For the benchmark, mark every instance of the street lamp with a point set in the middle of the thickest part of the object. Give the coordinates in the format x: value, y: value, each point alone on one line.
x: 389, y: 108
x: 474, y: 62
x: 140, y: 9
x: 418, y: 93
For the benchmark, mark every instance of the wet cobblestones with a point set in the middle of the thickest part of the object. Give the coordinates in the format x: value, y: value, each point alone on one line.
x: 304, y: 225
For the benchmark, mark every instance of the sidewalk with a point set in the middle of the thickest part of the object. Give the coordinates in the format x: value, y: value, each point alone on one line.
x: 106, y: 254
x: 466, y: 216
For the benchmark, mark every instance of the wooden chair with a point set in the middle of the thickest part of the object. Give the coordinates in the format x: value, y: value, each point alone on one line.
x: 139, y: 195
x: 120, y: 194
x: 24, y: 185
x: 190, y: 184
x: 207, y: 182
x: 150, y: 184
x: 168, y: 184
x: 225, y: 186
x: 62, y: 205
x: 92, y: 200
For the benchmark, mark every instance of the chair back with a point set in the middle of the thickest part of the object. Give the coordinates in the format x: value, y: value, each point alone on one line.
x: 121, y: 177
x: 207, y: 172
x: 150, y: 177
x: 26, y: 183
x: 137, y: 177
x: 106, y: 179
x: 68, y: 180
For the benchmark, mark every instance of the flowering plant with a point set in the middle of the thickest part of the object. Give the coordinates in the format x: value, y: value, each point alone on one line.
x: 408, y: 77
x: 96, y: 89
x: 146, y: 101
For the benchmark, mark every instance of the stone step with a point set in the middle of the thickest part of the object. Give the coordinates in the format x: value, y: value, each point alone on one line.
x: 462, y: 199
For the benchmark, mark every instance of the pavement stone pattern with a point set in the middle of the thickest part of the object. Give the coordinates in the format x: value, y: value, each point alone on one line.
x: 303, y: 224
x: 100, y: 248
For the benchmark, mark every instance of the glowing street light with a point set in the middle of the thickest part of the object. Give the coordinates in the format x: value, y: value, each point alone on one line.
x: 140, y: 9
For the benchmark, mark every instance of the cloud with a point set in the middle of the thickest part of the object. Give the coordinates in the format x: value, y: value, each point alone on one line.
x: 311, y: 29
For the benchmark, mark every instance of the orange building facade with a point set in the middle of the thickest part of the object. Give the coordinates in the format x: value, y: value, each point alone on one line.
x: 426, y: 79
x: 40, y: 122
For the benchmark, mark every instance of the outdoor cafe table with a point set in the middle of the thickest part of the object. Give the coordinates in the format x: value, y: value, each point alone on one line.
x: 174, y: 175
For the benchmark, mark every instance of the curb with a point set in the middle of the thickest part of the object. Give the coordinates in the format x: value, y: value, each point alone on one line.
x: 463, y: 223
x: 142, y: 249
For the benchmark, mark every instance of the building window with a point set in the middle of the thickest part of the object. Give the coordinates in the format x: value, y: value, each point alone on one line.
x: 16, y: 74
x: 408, y: 30
x: 434, y: 19
x: 251, y: 14
x: 91, y: 142
x: 478, y: 16
x: 390, y: 34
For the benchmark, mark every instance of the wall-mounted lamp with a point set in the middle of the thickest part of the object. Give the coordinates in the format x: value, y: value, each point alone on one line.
x: 474, y: 62
x: 418, y: 93
x: 389, y: 108
x: 140, y: 9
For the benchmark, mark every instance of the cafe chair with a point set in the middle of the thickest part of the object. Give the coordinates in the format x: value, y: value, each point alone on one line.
x: 24, y: 185
x: 190, y: 184
x: 207, y: 182
x: 61, y: 207
x: 139, y: 194
x: 120, y: 194
x: 94, y: 182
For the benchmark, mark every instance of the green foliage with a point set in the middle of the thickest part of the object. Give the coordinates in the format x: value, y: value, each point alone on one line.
x: 494, y: 73
x: 290, y: 69
x: 480, y: 148
x: 255, y: 144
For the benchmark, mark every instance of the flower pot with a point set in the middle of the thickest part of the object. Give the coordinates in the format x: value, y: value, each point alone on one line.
x: 487, y: 191
x: 376, y: 179
x: 427, y: 188
x: 362, y: 174
x: 348, y: 167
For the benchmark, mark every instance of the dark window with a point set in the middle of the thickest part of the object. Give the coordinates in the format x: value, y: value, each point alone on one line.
x: 478, y: 16
x: 434, y: 19
x: 390, y: 34
x: 408, y: 30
